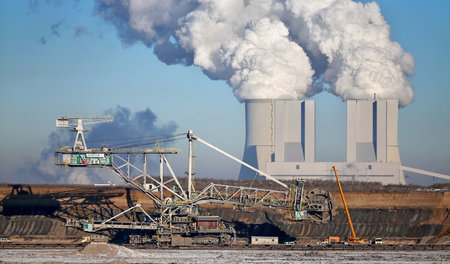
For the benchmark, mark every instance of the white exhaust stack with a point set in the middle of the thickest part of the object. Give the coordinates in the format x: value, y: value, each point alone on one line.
x: 258, y: 137
x: 372, y: 131
x: 278, y: 131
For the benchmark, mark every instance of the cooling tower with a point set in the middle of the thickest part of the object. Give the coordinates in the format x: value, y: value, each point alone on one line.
x: 372, y: 129
x: 278, y: 131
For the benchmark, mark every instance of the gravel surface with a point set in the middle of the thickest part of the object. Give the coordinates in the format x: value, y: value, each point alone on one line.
x: 97, y: 253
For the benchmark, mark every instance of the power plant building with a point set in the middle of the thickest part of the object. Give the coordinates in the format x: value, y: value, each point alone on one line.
x: 280, y: 140
x: 278, y: 131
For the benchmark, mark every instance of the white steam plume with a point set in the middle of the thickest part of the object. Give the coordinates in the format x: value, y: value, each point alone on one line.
x: 273, y: 49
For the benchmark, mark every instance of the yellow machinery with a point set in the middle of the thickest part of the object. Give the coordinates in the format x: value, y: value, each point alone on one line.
x: 353, y: 238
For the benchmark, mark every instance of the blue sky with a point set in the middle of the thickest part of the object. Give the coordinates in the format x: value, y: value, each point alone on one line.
x: 46, y: 71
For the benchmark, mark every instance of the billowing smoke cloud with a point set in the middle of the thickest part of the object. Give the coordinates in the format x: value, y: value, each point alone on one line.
x: 126, y: 125
x: 273, y: 49
x: 355, y: 38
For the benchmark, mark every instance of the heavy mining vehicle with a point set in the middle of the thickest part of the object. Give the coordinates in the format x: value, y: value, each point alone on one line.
x: 176, y: 213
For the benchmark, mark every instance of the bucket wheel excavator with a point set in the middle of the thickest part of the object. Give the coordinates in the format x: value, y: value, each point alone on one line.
x: 177, y: 216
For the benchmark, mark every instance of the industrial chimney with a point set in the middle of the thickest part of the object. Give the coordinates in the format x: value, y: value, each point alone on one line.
x: 278, y: 131
x: 372, y: 131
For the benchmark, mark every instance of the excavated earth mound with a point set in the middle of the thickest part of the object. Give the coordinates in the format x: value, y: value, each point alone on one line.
x: 107, y: 250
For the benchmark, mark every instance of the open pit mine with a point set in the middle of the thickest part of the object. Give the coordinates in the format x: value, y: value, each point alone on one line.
x: 37, y: 214
x: 295, y: 201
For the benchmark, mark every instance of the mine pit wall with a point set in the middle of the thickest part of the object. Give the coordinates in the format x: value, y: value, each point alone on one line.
x: 69, y: 201
x: 412, y: 218
x: 37, y: 213
x: 33, y: 228
x: 397, y: 217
